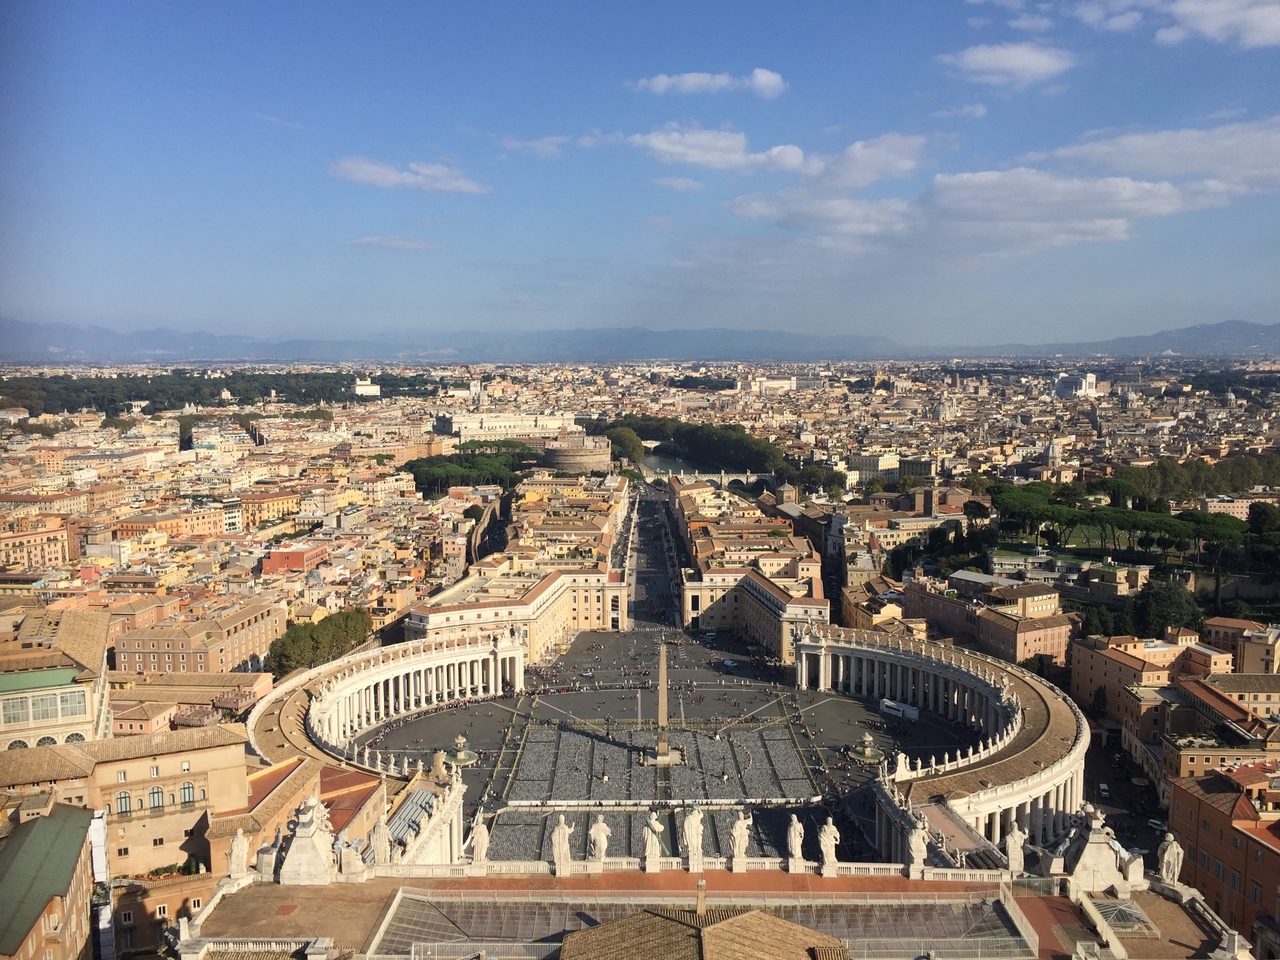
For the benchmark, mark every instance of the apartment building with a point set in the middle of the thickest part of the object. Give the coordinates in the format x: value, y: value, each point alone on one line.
x: 1102, y: 667
x: 53, y: 680
x: 34, y: 542
x: 1229, y: 826
x: 46, y: 883
x: 157, y: 790
x: 232, y: 638
x: 1008, y: 619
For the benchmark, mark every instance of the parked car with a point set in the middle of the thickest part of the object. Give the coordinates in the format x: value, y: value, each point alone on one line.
x: 1159, y: 826
x: 1104, y: 791
x: 709, y: 635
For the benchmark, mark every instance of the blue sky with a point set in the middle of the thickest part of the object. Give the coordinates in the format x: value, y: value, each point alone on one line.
x: 928, y: 170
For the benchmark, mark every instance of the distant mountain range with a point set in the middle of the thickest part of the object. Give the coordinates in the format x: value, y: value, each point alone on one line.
x: 53, y: 343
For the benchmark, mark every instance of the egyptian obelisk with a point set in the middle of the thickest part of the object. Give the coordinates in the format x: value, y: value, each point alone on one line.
x: 663, y: 743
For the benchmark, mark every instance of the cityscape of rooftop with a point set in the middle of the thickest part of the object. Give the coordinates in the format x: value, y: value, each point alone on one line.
x: 666, y: 481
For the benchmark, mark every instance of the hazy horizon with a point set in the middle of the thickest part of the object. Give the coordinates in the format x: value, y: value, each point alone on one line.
x: 947, y: 171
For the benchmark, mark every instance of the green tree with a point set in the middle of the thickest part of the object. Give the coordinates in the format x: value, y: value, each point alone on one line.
x: 1166, y: 603
x: 626, y: 443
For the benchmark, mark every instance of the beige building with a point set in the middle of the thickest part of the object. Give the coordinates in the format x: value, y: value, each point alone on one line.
x: 46, y: 884
x: 53, y: 686
x: 1101, y: 667
x: 234, y: 638
x: 158, y: 790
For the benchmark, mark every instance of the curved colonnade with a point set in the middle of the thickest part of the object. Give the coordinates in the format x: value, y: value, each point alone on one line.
x: 362, y: 691
x: 1029, y: 768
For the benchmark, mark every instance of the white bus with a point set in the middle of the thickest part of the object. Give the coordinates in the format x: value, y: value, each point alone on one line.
x: 892, y: 708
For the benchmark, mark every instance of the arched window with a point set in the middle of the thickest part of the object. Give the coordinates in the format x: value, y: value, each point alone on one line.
x: 74, y: 738
x: 188, y: 792
x: 47, y: 742
x: 122, y: 801
x: 156, y: 798
x: 17, y: 744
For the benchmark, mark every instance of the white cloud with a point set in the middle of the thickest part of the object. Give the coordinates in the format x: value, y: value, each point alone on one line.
x: 1246, y: 23
x: 761, y: 82
x: 278, y: 121
x: 677, y: 183
x: 393, y: 243
x: 714, y: 149
x: 971, y: 111
x: 845, y: 216
x: 1007, y: 4
x: 1249, y: 23
x: 542, y: 147
x: 1237, y: 155
x: 1014, y: 65
x: 431, y: 177
x: 1114, y: 16
x: 1031, y: 22
x: 968, y: 217
x: 863, y: 163
x: 990, y: 214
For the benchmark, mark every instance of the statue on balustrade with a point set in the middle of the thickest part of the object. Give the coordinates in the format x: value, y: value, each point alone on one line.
x: 795, y: 838
x: 560, y: 852
x: 693, y: 839
x: 740, y: 838
x: 598, y: 838
x: 1170, y: 859
x: 828, y: 840
x: 653, y: 830
x: 479, y: 839
x: 1014, y: 841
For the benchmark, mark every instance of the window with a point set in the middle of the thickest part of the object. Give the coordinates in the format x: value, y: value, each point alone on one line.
x: 121, y: 776
x: 157, y: 841
x: 16, y: 710
x: 1204, y: 824
x: 1235, y: 879
x: 126, y: 916
x: 186, y: 766
x: 155, y: 772
x: 44, y: 707
x: 1217, y: 869
x: 162, y: 911
x: 73, y: 703
x: 1255, y: 892
x: 196, y: 903
x: 188, y: 792
x: 156, y: 798
x: 124, y: 852
x: 123, y: 802
x: 1204, y: 860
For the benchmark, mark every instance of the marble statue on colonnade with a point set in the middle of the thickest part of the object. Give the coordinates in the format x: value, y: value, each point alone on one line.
x: 693, y: 839
x: 560, y: 852
x: 653, y: 830
x: 828, y: 839
x: 598, y: 838
x: 1014, y: 841
x: 479, y: 839
x: 1171, y: 856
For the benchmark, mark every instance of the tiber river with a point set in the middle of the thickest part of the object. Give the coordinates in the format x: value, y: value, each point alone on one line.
x: 665, y: 464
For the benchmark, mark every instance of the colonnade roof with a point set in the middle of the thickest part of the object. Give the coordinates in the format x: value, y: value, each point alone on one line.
x: 1047, y: 735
